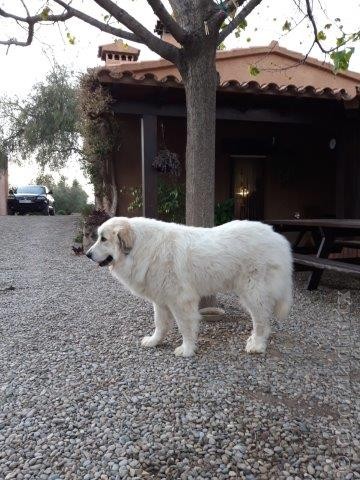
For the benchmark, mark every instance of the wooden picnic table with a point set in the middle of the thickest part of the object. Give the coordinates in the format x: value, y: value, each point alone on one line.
x: 328, y: 234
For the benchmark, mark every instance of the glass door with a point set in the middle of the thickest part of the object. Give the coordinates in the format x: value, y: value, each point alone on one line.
x: 248, y: 187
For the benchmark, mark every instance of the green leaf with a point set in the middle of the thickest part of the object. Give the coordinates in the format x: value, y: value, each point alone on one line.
x: 341, y: 59
x: 287, y: 26
x: 45, y: 13
x: 254, y: 71
x: 223, y: 25
x: 321, y: 35
x: 71, y: 38
x: 243, y: 24
x: 340, y: 41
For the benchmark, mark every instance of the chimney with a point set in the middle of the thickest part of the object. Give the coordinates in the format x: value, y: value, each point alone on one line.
x: 118, y: 53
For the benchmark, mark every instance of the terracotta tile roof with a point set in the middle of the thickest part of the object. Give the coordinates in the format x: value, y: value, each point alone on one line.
x: 110, y: 75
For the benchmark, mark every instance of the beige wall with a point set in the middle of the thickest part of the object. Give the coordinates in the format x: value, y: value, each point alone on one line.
x: 128, y: 161
x: 128, y: 156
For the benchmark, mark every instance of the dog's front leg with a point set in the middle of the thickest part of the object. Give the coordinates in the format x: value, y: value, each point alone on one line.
x: 163, y: 322
x: 187, y: 317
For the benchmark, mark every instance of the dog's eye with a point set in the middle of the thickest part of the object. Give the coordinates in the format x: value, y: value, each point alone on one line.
x: 103, y: 239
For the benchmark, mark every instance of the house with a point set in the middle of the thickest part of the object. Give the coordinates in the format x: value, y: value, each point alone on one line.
x: 287, y: 140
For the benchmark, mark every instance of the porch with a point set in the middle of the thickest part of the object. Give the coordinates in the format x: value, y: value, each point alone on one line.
x: 280, y: 151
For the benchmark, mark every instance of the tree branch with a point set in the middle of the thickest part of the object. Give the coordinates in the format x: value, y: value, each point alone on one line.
x: 164, y: 49
x: 104, y: 27
x: 31, y: 21
x: 315, y: 29
x: 240, y: 17
x: 168, y: 21
x: 226, y: 8
x: 138, y: 33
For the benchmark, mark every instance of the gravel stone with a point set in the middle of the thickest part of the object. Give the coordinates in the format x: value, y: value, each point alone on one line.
x: 80, y: 398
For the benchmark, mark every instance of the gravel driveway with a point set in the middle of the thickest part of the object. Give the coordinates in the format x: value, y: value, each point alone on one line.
x: 80, y: 399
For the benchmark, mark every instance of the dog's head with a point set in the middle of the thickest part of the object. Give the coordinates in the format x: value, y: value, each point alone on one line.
x: 115, y: 241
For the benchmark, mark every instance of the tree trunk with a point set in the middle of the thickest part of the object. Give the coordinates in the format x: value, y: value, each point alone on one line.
x: 200, y: 80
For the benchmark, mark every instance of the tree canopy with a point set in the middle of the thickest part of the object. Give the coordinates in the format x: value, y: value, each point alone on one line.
x: 44, y: 123
x: 218, y: 18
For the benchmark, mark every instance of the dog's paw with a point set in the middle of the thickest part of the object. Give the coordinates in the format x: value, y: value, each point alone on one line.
x: 150, y: 341
x: 255, y: 344
x: 184, y: 352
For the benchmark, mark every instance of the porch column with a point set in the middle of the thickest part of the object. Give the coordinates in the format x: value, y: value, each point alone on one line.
x: 149, y: 174
x: 340, y: 177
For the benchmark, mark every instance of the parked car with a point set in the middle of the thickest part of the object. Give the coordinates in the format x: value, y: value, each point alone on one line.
x: 31, y: 199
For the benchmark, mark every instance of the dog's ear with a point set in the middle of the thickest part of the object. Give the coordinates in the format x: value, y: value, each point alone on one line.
x: 126, y: 238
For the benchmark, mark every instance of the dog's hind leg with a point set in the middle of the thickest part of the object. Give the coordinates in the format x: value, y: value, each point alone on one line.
x: 187, y: 317
x: 260, y: 309
x: 163, y: 322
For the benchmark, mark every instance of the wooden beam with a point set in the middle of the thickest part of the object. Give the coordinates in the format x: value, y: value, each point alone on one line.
x: 149, y: 175
x: 222, y: 113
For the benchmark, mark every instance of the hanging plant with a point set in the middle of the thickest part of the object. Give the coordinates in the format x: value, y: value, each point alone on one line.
x: 166, y: 161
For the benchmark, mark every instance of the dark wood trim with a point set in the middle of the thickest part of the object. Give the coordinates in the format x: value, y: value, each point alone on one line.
x: 148, y: 173
x: 223, y: 113
x: 312, y: 262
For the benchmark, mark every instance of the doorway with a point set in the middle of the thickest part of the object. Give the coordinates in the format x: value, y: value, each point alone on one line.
x: 248, y: 186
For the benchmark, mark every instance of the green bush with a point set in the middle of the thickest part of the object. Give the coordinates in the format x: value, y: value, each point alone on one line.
x: 171, y: 201
x: 224, y: 211
x: 68, y: 198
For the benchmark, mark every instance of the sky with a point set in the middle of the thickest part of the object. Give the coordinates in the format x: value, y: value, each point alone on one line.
x: 21, y: 67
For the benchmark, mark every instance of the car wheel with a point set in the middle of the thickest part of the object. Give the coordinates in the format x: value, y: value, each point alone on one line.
x: 52, y: 211
x: 46, y: 210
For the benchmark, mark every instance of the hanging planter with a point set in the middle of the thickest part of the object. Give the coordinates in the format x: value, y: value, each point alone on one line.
x: 166, y: 161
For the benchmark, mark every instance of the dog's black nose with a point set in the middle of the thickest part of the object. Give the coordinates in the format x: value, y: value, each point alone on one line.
x: 88, y: 254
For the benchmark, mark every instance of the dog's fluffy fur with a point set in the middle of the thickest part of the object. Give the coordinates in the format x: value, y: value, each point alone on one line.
x: 173, y: 266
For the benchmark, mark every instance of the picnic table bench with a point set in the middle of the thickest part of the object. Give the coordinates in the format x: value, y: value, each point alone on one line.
x: 329, y: 235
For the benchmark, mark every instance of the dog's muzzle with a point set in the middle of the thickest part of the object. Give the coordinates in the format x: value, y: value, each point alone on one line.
x: 106, y: 262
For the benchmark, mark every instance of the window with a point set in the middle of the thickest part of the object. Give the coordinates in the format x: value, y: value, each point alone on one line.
x: 35, y: 189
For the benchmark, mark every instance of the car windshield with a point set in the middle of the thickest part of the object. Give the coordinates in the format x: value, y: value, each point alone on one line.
x: 31, y: 189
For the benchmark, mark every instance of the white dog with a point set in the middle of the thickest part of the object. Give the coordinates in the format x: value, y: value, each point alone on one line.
x: 173, y: 266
